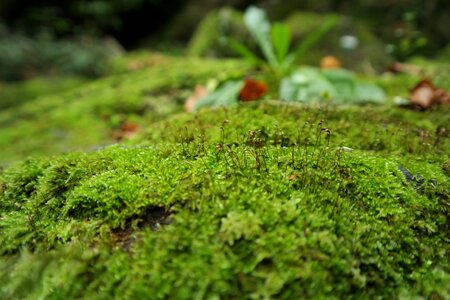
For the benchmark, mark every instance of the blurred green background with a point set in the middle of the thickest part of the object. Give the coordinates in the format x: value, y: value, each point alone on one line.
x: 75, y: 37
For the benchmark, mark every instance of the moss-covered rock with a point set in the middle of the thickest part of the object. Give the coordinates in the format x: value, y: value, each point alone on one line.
x: 265, y: 200
x: 261, y: 201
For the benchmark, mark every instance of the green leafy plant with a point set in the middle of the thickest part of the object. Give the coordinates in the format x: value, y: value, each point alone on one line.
x: 275, y: 42
x: 306, y: 84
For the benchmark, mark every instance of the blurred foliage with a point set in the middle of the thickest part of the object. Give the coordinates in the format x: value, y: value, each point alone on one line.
x: 124, y: 19
x: 275, y: 41
x: 445, y: 54
x: 209, y: 37
x: 23, y: 57
x: 41, y: 33
x: 52, y: 37
x: 17, y: 93
x: 411, y: 26
x: 366, y: 56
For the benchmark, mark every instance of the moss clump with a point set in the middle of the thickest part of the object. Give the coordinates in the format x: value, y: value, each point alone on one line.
x: 257, y: 202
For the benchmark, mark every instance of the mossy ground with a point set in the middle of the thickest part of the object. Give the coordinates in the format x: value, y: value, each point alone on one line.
x: 15, y: 94
x: 266, y: 200
x: 143, y: 87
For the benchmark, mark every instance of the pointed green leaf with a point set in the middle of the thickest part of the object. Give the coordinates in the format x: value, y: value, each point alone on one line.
x: 281, y: 40
x: 259, y: 27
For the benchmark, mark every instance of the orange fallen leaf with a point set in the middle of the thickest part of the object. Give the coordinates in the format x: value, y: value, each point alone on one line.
x: 199, y: 92
x: 252, y: 90
x: 425, y: 95
x: 330, y: 62
x: 127, y: 130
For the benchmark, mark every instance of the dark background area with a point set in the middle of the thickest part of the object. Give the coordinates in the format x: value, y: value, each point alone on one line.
x: 411, y: 27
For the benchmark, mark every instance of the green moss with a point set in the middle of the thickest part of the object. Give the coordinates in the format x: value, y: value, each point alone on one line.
x: 259, y: 201
x: 15, y: 94
x: 146, y: 87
